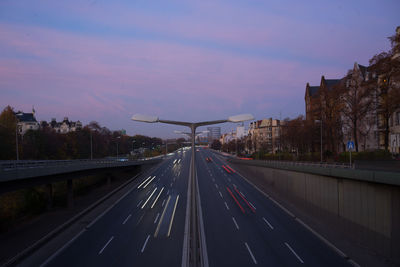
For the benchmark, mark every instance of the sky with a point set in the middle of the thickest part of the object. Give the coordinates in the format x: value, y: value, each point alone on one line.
x: 180, y: 60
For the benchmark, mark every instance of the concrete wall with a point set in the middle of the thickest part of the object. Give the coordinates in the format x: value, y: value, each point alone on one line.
x: 362, y: 212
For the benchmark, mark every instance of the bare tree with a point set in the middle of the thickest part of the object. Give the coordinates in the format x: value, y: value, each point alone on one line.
x: 358, y: 103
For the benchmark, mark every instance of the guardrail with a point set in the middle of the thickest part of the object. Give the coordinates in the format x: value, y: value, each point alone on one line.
x: 334, y: 170
x: 314, y: 164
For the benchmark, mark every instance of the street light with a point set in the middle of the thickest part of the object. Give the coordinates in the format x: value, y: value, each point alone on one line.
x: 119, y: 137
x: 320, y: 121
x: 193, y: 180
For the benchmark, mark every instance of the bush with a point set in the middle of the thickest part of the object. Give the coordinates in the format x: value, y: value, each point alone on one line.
x: 366, y: 155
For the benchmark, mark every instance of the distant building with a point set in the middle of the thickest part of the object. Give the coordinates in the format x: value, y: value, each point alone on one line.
x: 264, y: 135
x: 26, y: 121
x: 240, y: 131
x: 65, y: 126
x: 214, y: 133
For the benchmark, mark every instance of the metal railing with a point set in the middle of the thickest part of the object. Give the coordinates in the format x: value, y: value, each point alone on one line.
x: 313, y: 164
x: 10, y: 165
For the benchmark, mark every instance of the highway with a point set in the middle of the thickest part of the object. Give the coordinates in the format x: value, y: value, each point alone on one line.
x: 245, y: 228
x: 145, y: 228
x: 242, y: 226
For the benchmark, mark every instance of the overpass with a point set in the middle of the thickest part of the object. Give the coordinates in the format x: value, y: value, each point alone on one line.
x: 15, y: 175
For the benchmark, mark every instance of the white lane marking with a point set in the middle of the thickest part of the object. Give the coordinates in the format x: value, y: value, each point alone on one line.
x: 220, y: 194
x: 145, y: 243
x: 127, y: 218
x: 172, y: 217
x: 162, y: 217
x: 108, y: 242
x: 251, y: 253
x: 168, y: 192
x: 226, y: 205
x: 171, y: 184
x: 144, y: 181
x: 139, y: 203
x: 157, y: 197
x: 242, y: 193
x: 234, y: 185
x: 149, y: 182
x: 216, y: 186
x: 140, y: 219
x: 163, y: 202
x: 267, y: 222
x: 297, y: 256
x: 158, y: 214
x: 252, y: 205
x: 149, y: 198
x: 234, y: 221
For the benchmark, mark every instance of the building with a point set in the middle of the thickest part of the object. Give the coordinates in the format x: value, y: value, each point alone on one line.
x: 311, y: 99
x: 240, y: 131
x: 359, y: 93
x: 26, y: 121
x: 264, y: 135
x: 65, y: 126
x: 394, y: 123
x: 213, y: 133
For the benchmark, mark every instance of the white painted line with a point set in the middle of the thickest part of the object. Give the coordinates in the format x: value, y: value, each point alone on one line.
x: 226, y: 205
x: 220, y: 194
x: 158, y: 214
x: 168, y: 192
x: 267, y: 222
x: 252, y: 205
x: 149, y: 198
x: 162, y: 217
x: 242, y: 193
x: 234, y: 185
x: 127, y: 218
x: 234, y: 221
x: 144, y: 181
x: 216, y: 186
x: 251, y: 253
x: 163, y: 202
x: 145, y: 243
x: 149, y: 182
x: 101, y: 251
x: 157, y: 197
x: 172, y: 217
x: 139, y: 203
x: 140, y: 219
x: 297, y: 256
x: 171, y: 184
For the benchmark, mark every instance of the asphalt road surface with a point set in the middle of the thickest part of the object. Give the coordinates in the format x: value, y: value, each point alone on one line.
x: 242, y: 226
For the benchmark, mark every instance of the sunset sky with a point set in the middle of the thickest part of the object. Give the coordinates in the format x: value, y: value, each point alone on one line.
x: 181, y: 60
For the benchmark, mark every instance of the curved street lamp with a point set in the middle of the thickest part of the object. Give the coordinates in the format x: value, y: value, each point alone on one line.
x: 194, y: 230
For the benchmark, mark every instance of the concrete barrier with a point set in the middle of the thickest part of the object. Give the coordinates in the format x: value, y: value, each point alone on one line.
x: 360, y: 206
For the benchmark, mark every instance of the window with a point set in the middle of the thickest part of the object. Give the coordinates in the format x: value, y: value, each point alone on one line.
x: 398, y: 118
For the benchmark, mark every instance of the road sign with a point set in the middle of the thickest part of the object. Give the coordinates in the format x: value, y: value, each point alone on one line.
x: 350, y: 145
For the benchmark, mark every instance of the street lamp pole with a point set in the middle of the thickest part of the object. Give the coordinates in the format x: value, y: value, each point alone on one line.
x: 91, y: 145
x: 194, y: 250
x: 16, y: 140
x: 321, y: 139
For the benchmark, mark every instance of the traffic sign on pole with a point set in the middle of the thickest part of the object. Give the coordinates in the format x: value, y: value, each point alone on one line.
x: 350, y: 147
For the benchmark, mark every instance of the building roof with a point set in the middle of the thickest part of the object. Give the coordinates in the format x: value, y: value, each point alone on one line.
x: 313, y: 90
x: 25, y: 117
x: 332, y: 82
